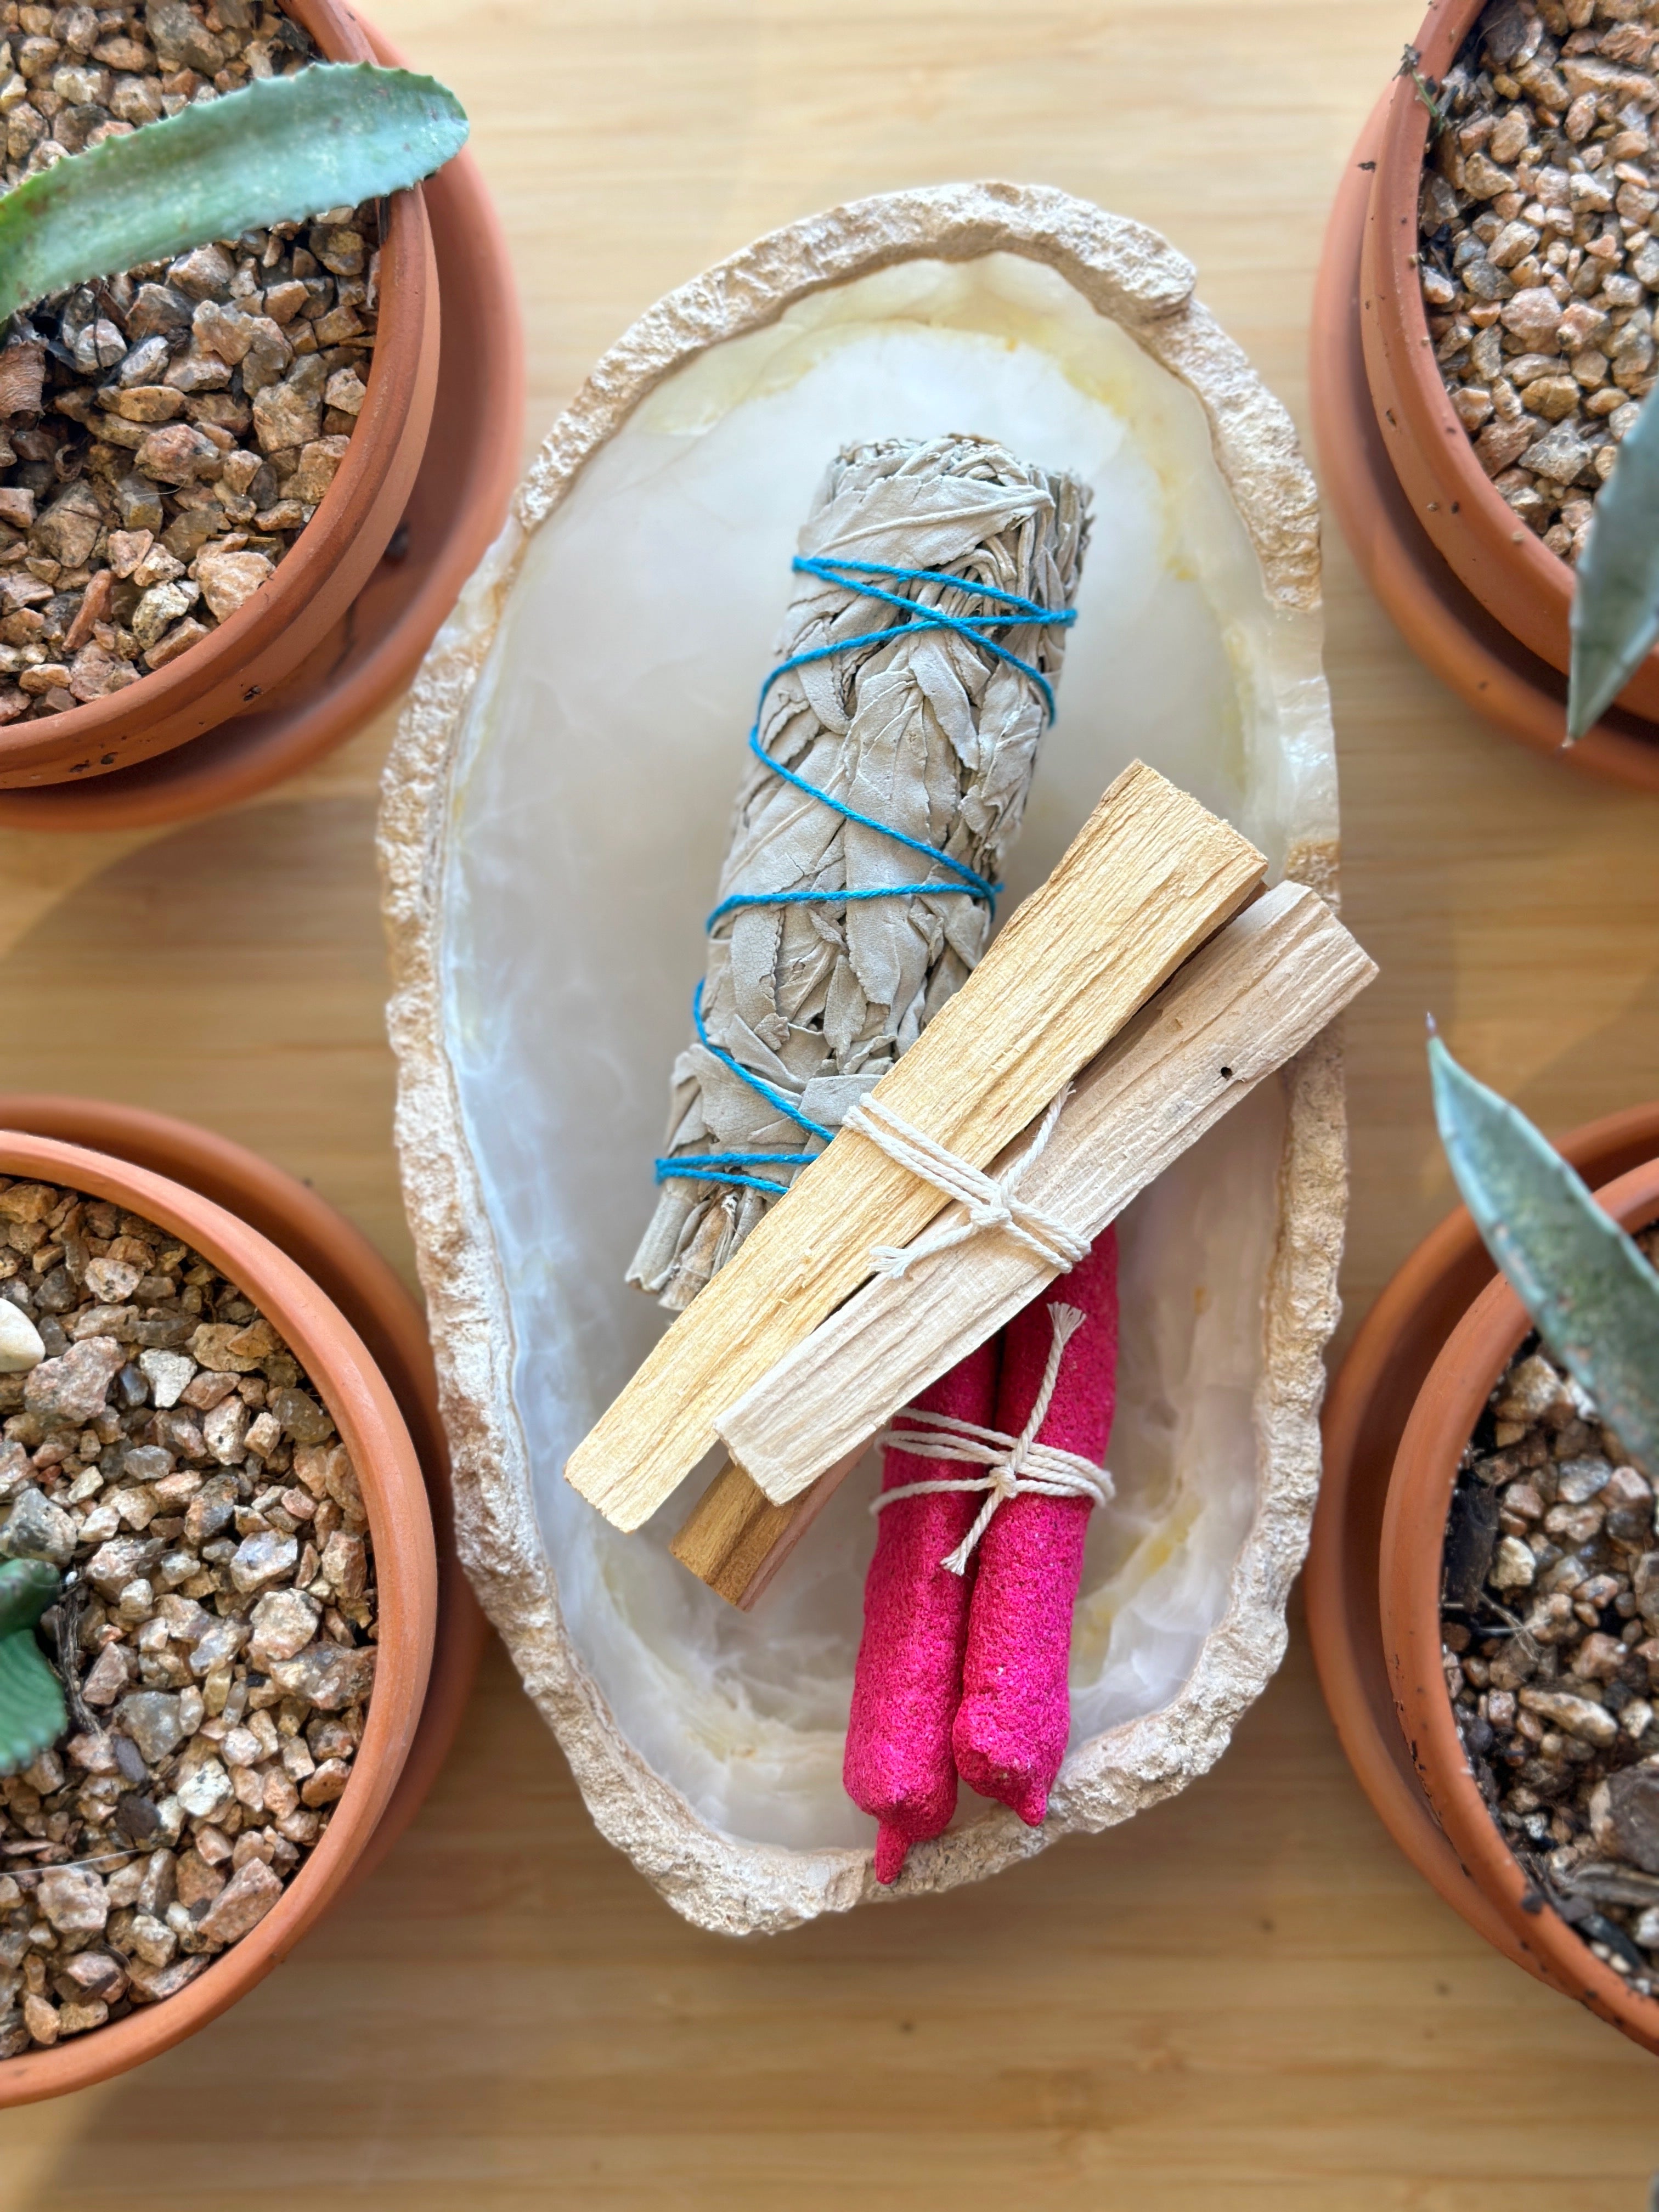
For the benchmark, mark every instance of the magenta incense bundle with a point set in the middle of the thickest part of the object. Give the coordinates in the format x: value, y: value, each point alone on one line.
x: 968, y: 1603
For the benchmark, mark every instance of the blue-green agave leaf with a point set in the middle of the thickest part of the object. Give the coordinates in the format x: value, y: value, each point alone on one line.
x: 1615, y: 600
x: 333, y: 135
x: 32, y: 1710
x: 1592, y: 1297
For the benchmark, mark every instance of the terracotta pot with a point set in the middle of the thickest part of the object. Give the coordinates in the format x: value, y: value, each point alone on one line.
x: 1511, y: 572
x: 271, y: 633
x: 1445, y: 625
x: 346, y: 1267
x: 1443, y: 1420
x: 457, y: 504
x: 373, y: 1432
x: 1366, y: 1410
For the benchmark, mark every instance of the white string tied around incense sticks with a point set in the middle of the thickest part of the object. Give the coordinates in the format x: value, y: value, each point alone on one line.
x: 1017, y: 1466
x: 990, y: 1203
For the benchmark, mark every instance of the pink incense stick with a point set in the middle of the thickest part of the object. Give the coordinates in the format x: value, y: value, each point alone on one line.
x: 1016, y: 1709
x: 899, y: 1764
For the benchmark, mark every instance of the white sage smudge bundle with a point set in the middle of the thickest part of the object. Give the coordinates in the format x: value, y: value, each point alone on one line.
x: 890, y: 760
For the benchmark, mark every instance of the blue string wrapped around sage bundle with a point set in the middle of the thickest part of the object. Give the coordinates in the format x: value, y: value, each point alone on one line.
x: 889, y: 762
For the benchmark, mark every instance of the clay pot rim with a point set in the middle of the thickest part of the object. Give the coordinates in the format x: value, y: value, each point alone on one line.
x: 39, y: 751
x: 369, y: 1423
x: 1441, y: 1421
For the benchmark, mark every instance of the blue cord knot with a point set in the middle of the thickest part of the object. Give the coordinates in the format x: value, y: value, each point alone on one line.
x: 727, y: 1167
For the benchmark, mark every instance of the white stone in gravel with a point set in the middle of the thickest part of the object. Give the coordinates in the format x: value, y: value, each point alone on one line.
x: 241, y: 1747
x: 20, y: 1347
x: 166, y: 1373
x: 224, y: 1429
x: 283, y: 1622
x: 154, y: 1721
x: 1514, y: 1565
x: 110, y: 1281
x: 1560, y: 454
x: 261, y: 1558
x: 205, y: 1791
x: 219, y: 1643
x: 329, y: 1676
x: 153, y: 1940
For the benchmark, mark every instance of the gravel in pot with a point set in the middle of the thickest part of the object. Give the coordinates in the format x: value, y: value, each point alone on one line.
x: 215, y: 1636
x: 166, y: 434
x: 1551, y: 1630
x: 1540, y: 252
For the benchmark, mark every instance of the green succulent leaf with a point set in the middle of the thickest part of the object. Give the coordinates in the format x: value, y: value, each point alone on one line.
x: 1615, y: 600
x: 332, y: 136
x: 1592, y: 1297
x: 32, y: 1711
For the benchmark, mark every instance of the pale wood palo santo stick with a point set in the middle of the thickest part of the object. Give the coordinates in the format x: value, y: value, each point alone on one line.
x: 1242, y: 1005
x: 1150, y: 875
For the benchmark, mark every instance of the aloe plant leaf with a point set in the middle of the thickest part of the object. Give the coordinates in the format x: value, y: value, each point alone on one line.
x: 332, y: 136
x: 32, y: 1710
x: 1592, y: 1297
x: 1615, y: 600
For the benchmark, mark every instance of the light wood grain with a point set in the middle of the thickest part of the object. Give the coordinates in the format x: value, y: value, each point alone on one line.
x: 1149, y: 875
x: 1244, y: 2001
x: 734, y: 1538
x: 1242, y: 1005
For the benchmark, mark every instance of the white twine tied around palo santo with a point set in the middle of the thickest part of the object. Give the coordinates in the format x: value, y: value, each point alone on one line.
x: 1016, y: 1466
x: 990, y: 1203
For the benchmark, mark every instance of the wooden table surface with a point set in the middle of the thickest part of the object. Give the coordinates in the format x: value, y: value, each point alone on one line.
x: 1244, y: 2000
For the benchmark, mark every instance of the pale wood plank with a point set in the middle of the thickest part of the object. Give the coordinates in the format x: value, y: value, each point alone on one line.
x: 1148, y: 876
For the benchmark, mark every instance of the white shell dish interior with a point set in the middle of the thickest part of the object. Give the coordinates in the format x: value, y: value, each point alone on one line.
x: 599, y: 764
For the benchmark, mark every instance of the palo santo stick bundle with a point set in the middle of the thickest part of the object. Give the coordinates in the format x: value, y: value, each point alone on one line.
x: 1260, y: 990
x: 1148, y: 877
x: 1241, y: 1006
x: 889, y: 762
